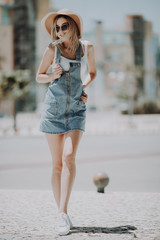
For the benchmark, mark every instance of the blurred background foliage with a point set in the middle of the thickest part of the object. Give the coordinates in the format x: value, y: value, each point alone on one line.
x: 15, y: 86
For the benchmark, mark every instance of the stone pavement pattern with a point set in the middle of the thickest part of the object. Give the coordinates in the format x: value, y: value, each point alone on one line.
x: 32, y: 214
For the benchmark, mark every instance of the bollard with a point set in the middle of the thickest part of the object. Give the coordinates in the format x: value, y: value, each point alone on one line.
x: 101, y: 180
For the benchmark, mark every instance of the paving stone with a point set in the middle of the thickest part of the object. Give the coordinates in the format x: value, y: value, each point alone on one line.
x: 32, y: 214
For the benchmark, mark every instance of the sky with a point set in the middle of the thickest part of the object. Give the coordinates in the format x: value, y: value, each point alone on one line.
x: 112, y: 12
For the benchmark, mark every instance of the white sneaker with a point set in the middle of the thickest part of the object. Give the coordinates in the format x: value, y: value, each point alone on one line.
x: 64, y: 225
x: 69, y: 220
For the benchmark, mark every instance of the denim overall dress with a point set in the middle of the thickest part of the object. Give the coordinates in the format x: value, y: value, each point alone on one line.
x: 63, y: 109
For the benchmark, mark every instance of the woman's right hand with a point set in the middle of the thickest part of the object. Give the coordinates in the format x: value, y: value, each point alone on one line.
x: 57, y: 71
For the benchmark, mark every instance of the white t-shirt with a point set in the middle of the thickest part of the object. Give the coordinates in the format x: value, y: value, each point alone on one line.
x: 64, y: 62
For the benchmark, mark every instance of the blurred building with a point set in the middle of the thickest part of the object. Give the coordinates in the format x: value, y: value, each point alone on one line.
x: 17, y: 31
x: 119, y: 53
x: 129, y: 60
x: 42, y: 41
x: 145, y: 45
x: 135, y: 24
x: 6, y: 35
x: 96, y: 91
x: 151, y: 48
x: 7, y: 45
x: 118, y: 50
x: 22, y: 42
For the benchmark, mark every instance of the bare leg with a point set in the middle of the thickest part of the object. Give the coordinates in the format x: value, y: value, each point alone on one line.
x: 71, y: 142
x: 56, y: 143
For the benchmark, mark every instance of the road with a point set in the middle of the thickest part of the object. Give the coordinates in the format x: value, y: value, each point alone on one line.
x: 132, y: 162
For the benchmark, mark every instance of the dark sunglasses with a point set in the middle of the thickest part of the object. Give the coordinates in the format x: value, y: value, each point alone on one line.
x: 64, y: 27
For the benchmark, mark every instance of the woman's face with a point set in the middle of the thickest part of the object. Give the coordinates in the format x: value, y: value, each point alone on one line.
x: 62, y: 27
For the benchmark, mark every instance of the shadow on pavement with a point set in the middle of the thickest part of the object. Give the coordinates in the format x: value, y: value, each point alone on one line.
x: 114, y: 230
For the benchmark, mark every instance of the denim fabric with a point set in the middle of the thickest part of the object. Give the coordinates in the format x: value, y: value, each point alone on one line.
x: 63, y: 109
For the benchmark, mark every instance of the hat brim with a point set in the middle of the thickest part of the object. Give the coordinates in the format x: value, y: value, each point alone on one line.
x: 47, y: 22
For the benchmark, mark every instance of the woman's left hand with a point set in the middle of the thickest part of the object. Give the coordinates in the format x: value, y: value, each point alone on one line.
x: 84, y: 97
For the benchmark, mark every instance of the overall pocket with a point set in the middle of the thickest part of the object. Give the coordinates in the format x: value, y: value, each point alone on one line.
x: 50, y: 106
x: 80, y: 108
x: 49, y: 97
x: 50, y: 110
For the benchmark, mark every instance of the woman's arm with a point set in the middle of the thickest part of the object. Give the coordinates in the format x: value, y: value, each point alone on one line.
x: 91, y: 65
x: 42, y: 76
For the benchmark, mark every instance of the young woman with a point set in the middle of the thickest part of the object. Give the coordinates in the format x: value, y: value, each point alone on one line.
x: 64, y: 112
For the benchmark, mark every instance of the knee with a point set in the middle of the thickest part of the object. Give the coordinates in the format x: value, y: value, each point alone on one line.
x: 69, y: 159
x: 57, y: 167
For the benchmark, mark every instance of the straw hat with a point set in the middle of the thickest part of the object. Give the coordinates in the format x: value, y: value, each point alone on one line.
x: 47, y: 20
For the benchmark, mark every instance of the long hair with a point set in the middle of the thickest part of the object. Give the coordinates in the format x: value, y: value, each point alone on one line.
x: 71, y: 34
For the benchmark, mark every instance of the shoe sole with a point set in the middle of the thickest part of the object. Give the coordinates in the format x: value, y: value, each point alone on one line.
x: 63, y: 234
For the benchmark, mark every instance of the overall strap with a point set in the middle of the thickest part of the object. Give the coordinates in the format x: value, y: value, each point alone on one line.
x: 58, y: 55
x: 78, y: 53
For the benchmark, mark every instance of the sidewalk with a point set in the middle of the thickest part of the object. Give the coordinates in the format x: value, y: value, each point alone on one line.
x: 31, y: 214
x: 97, y: 123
